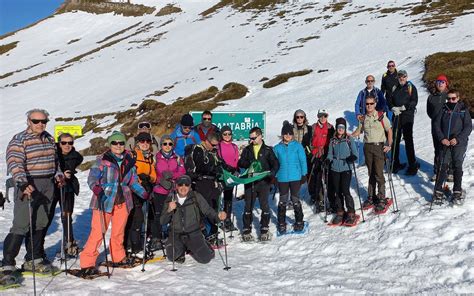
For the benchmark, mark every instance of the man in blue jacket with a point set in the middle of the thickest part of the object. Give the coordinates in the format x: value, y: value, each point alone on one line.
x: 452, y: 127
x: 370, y: 89
x: 184, y: 135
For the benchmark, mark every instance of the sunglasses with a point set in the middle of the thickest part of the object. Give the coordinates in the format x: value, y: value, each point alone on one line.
x: 181, y: 185
x: 207, y: 118
x: 36, y: 121
x: 168, y: 144
x: 298, y: 117
x: 391, y: 66
x: 253, y: 138
x: 369, y: 104
x: 187, y: 127
x: 144, y: 125
x: 322, y: 115
x: 114, y: 143
x: 214, y: 145
x: 145, y: 141
x: 227, y: 134
x: 452, y: 98
x: 440, y: 81
x: 367, y: 81
x: 67, y: 143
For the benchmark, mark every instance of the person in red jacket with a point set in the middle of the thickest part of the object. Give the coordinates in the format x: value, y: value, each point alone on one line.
x: 322, y: 133
x: 169, y: 167
x: 206, y: 126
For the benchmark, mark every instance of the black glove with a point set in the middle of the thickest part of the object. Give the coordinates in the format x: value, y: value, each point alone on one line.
x: 144, y: 177
x: 303, y: 180
x: 166, y: 183
x: 327, y: 163
x: 351, y: 158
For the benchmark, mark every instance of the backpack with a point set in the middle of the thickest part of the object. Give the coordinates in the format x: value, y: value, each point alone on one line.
x: 189, y: 164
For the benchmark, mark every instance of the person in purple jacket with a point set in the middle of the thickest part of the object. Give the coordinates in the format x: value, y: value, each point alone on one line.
x: 229, y: 152
x: 169, y: 167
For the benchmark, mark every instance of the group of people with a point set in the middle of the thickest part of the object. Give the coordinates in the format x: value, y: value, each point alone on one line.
x: 174, y: 184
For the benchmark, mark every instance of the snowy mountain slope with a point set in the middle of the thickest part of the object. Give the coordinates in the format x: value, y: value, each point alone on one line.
x: 412, y: 251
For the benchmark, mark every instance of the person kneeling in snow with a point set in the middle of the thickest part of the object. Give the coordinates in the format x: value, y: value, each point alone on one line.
x: 183, y: 210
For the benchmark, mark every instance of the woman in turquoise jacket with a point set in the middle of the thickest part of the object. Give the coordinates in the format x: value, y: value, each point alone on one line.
x: 292, y: 172
x: 342, y: 153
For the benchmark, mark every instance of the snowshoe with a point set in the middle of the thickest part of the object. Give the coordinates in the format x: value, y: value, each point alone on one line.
x: 265, y: 236
x: 438, y: 197
x: 247, y: 237
x: 368, y: 204
x: 383, y: 206
x: 337, y: 220
x: 42, y: 268
x: 180, y: 259
x: 126, y: 263
x: 155, y: 244
x: 458, y: 198
x: 10, y: 279
x: 228, y: 226
x: 298, y: 226
x: 87, y: 273
x: 351, y: 220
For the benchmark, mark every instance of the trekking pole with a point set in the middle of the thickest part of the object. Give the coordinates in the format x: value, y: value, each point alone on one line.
x: 174, y: 233
x: 102, y: 223
x: 233, y: 215
x: 30, y: 212
x: 325, y: 195
x: 393, y: 194
x: 358, y: 191
x: 394, y: 143
x: 441, y: 163
x: 63, y: 253
x: 226, y: 267
x: 145, y: 204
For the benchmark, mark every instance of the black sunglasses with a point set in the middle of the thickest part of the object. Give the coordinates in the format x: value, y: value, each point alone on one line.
x: 299, y: 117
x: 227, y: 134
x: 181, y: 185
x: 36, y: 121
x: 168, y: 144
x: 121, y: 143
x: 145, y: 141
x: 144, y: 125
x: 370, y: 104
x: 253, y: 138
x: 67, y: 143
x: 207, y: 118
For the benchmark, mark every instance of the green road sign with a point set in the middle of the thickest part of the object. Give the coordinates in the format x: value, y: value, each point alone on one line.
x: 241, y: 122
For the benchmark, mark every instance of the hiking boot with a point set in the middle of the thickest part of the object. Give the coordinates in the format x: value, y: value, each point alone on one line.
x: 450, y: 178
x: 155, y: 244
x: 265, y: 236
x: 282, y: 228
x: 180, y: 259
x: 72, y: 250
x: 351, y: 219
x: 458, y: 198
x: 397, y: 167
x: 89, y: 271
x: 368, y: 204
x: 298, y: 226
x: 412, y: 170
x: 41, y: 266
x: 438, y: 197
x: 228, y: 226
x: 338, y: 219
x: 381, y: 204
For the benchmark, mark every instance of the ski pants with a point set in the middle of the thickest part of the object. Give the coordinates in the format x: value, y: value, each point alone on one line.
x: 195, y: 242
x: 451, y: 155
x: 289, y: 190
x: 375, y: 160
x: 118, y: 217
x: 259, y: 189
x: 158, y: 201
x: 341, y: 182
x: 405, y: 127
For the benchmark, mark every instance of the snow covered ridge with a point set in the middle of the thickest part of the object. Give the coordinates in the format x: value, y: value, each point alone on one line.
x: 410, y: 252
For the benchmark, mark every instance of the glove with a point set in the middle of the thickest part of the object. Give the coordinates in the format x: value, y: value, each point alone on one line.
x: 398, y: 110
x: 97, y: 189
x: 166, y: 183
x: 351, y: 158
x: 146, y: 196
x: 144, y: 177
x: 147, y: 185
x: 327, y: 162
x: 303, y: 180
x: 167, y: 175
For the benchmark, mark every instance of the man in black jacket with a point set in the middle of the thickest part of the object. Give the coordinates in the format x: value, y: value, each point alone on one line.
x: 389, y: 80
x: 434, y: 105
x: 258, y: 155
x: 403, y: 105
x: 183, y: 210
x: 452, y: 126
x: 205, y: 167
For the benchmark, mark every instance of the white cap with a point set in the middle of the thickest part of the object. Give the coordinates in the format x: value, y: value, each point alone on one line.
x: 322, y: 111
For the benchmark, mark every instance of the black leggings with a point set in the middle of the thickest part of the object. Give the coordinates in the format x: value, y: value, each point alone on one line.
x: 286, y: 187
x: 158, y: 204
x: 341, y: 182
x: 132, y: 238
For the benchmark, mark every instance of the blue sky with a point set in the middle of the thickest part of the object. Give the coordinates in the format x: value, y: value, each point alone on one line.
x: 16, y: 14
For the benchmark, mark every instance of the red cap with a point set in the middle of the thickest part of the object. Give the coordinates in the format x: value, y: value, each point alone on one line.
x: 443, y: 77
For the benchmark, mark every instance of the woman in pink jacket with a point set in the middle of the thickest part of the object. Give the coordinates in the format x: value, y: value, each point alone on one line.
x: 169, y: 167
x: 229, y: 152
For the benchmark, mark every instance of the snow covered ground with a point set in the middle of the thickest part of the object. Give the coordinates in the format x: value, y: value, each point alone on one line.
x: 412, y: 251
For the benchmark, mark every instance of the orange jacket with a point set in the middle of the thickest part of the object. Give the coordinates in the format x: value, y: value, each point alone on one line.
x: 145, y: 165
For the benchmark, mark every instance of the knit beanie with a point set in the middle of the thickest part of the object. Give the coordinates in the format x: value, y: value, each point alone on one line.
x: 187, y: 120
x: 116, y: 136
x: 143, y: 137
x: 342, y: 121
